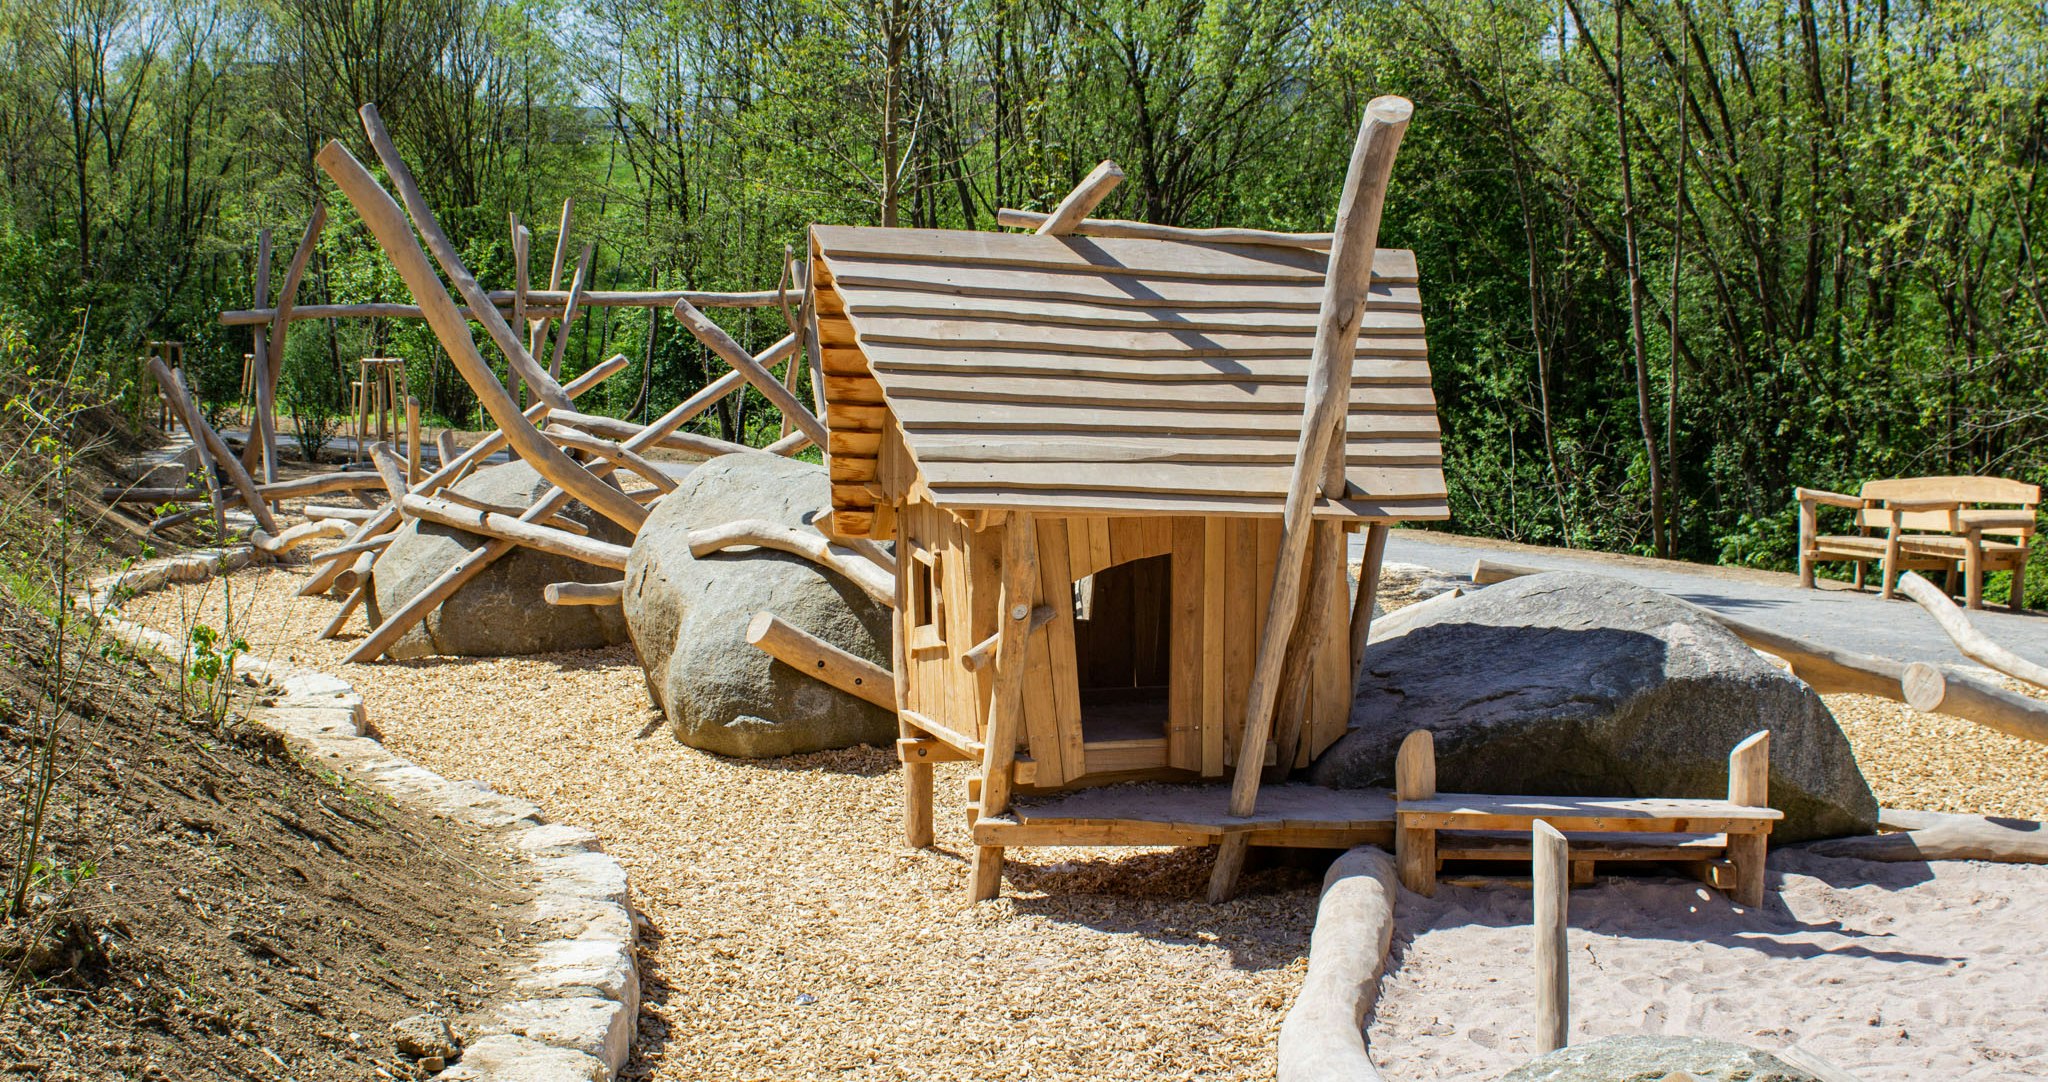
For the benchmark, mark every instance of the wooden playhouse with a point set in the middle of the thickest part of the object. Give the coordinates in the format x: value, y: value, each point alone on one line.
x: 1094, y: 436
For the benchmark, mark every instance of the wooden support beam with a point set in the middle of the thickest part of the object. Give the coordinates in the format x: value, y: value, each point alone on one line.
x: 1346, y: 288
x: 805, y: 543
x: 1415, y: 779
x: 1552, y: 857
x: 208, y: 470
x: 813, y: 656
x: 1085, y: 197
x: 414, y: 469
x: 1749, y: 785
x: 764, y: 381
x: 348, y: 608
x: 1006, y: 698
x: 357, y: 572
x: 390, y: 468
x: 259, y: 337
x: 381, y: 214
x: 1368, y: 595
x: 1116, y: 227
x: 981, y: 654
x: 456, y: 496
x: 223, y: 455
x: 569, y: 313
x: 584, y: 593
x: 445, y: 448
x: 518, y: 531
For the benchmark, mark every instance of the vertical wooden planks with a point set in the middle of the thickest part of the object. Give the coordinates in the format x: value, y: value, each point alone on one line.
x: 1329, y: 705
x: 1041, y: 717
x: 1184, y: 683
x: 1213, y: 669
x: 1240, y: 617
x: 1056, y: 574
x: 999, y: 751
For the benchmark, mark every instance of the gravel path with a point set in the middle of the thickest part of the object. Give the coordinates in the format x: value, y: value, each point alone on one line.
x: 795, y: 936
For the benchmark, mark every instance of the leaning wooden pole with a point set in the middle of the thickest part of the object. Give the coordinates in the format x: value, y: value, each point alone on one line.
x: 1343, y: 310
x: 188, y: 414
x: 382, y: 215
x: 1973, y: 643
x: 273, y: 365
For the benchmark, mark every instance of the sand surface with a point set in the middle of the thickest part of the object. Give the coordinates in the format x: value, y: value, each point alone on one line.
x: 793, y: 935
x: 1892, y: 971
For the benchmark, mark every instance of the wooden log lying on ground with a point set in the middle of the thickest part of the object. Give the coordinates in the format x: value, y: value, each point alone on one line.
x: 317, y: 485
x: 353, y: 515
x: 352, y: 548
x: 1927, y: 688
x: 518, y: 531
x: 1323, y: 1037
x: 1117, y: 227
x: 298, y: 535
x: 1944, y: 836
x: 612, y: 452
x: 1973, y: 644
x: 810, y: 545
x: 584, y: 593
x: 805, y: 652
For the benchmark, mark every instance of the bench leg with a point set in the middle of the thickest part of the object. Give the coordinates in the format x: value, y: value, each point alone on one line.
x: 917, y: 805
x: 2017, y: 597
x: 987, y: 879
x: 1973, y: 571
x: 1582, y: 873
x: 1746, y: 852
x: 1890, y: 570
x: 1415, y: 856
x: 1862, y: 566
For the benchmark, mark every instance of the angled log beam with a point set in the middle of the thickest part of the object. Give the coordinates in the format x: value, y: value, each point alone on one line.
x: 812, y: 546
x: 569, y: 313
x: 764, y: 381
x: 1086, y: 196
x: 456, y: 497
x: 391, y: 469
x: 223, y: 455
x: 298, y: 535
x: 691, y: 442
x: 518, y: 531
x: 541, y: 303
x: 266, y: 387
x: 813, y: 656
x: 472, y: 294
x: 453, y: 579
x: 1346, y: 288
x: 452, y: 470
x: 207, y: 469
x: 382, y: 215
x: 613, y: 451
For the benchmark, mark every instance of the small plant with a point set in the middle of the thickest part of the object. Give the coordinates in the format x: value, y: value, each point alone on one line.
x: 210, y: 661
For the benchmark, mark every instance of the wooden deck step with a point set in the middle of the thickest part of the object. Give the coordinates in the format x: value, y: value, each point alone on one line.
x: 1299, y: 816
x: 1514, y: 845
x: 1473, y: 811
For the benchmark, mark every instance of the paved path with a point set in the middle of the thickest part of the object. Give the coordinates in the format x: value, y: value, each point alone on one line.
x: 1839, y: 616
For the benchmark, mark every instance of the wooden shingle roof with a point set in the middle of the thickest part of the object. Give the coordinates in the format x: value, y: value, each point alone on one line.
x: 1109, y: 376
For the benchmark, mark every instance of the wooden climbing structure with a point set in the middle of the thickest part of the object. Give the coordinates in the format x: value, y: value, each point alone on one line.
x: 1118, y: 463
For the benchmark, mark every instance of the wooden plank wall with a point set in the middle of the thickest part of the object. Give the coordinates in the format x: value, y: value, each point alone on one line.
x: 938, y: 686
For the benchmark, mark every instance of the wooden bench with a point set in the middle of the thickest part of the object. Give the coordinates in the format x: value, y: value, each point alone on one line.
x: 1723, y: 839
x: 1926, y: 524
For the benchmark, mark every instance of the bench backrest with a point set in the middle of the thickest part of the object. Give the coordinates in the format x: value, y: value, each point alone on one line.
x: 1962, y: 490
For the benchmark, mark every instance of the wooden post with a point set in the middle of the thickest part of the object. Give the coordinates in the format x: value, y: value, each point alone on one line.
x: 413, y: 470
x: 1809, y: 529
x: 522, y: 243
x: 1345, y: 290
x: 1551, y: 856
x: 538, y: 332
x: 1415, y: 779
x: 1085, y: 197
x: 917, y: 774
x: 273, y: 367
x: 807, y: 653
x: 1749, y: 784
x: 259, y: 335
x: 1006, y: 700
x: 569, y: 313
x: 1368, y: 595
x: 381, y: 214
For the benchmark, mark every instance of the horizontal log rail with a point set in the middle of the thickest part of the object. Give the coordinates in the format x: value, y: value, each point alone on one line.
x: 510, y: 528
x: 539, y: 303
x: 812, y: 546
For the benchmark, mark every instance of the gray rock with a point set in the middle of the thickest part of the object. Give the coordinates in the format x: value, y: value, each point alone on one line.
x: 425, y: 1035
x: 500, y: 612
x: 1648, y: 1059
x: 688, y: 618
x: 1572, y: 684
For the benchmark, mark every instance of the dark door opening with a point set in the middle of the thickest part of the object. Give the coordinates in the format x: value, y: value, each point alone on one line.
x: 1123, y: 646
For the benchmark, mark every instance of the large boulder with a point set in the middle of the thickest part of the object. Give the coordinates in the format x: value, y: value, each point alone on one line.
x: 500, y: 612
x: 1647, y: 1059
x: 1571, y: 684
x: 688, y: 617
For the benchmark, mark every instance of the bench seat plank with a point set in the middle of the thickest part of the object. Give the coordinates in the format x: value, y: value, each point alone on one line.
x: 1454, y: 811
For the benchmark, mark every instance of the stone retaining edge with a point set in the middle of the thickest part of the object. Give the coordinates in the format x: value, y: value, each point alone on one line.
x: 574, y: 1004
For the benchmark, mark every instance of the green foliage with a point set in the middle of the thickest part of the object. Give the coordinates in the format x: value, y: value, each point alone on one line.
x: 1847, y: 287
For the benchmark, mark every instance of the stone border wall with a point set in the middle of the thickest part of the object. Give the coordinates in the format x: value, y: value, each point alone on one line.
x: 574, y: 1001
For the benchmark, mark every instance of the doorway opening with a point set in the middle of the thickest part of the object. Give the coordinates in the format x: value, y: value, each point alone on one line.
x: 1123, y: 647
